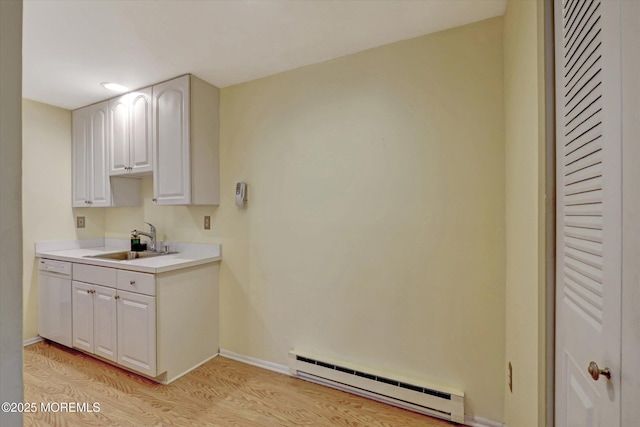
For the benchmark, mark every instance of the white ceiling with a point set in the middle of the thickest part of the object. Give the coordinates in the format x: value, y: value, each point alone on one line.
x: 70, y: 47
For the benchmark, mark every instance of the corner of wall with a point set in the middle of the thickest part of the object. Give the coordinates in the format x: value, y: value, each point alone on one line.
x: 528, y: 203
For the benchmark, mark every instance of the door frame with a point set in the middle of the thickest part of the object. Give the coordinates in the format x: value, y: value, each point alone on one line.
x: 630, y: 344
x: 550, y: 209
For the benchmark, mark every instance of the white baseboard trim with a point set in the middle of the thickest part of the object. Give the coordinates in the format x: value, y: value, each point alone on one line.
x: 282, y: 369
x: 270, y: 366
x: 481, y: 422
x: 33, y: 340
x: 167, y: 381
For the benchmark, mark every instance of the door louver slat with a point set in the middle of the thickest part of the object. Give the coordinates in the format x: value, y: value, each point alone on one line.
x: 582, y: 167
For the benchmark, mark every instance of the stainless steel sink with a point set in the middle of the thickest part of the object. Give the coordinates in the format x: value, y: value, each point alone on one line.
x: 127, y: 255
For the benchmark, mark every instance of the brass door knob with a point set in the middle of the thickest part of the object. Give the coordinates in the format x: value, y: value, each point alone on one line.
x: 595, y: 371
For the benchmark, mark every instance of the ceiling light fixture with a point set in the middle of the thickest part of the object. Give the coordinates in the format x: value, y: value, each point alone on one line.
x: 114, y: 87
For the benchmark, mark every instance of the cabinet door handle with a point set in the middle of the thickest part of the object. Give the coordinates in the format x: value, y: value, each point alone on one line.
x: 117, y: 297
x: 132, y: 282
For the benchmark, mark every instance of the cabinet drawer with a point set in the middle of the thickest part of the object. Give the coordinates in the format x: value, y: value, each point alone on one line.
x: 143, y: 283
x: 93, y: 274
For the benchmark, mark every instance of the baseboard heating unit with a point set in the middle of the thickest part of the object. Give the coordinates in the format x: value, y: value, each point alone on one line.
x: 441, y: 402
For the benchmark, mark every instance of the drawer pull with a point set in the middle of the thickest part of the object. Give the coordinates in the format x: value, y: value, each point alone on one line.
x: 132, y: 282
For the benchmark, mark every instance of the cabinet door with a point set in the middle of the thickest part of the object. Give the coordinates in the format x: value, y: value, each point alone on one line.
x: 140, y: 140
x: 54, y: 313
x: 82, y: 319
x: 105, y: 331
x: 100, y: 188
x: 119, y: 135
x: 137, y: 332
x: 171, y: 169
x: 81, y: 152
x: 91, y: 185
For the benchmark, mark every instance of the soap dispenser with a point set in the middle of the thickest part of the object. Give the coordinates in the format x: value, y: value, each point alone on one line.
x: 135, y: 243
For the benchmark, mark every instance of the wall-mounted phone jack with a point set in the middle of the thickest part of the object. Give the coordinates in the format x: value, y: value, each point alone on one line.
x: 79, y: 222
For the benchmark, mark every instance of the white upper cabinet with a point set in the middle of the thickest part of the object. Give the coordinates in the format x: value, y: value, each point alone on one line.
x: 130, y: 133
x: 119, y: 136
x: 169, y: 130
x: 91, y: 185
x: 185, y: 138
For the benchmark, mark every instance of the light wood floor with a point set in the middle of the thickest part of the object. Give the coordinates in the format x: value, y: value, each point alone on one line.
x: 222, y: 392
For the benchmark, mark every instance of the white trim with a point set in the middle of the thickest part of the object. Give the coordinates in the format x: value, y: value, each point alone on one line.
x: 470, y: 421
x: 165, y: 382
x: 33, y: 340
x: 481, y: 422
x: 270, y: 366
x: 550, y: 209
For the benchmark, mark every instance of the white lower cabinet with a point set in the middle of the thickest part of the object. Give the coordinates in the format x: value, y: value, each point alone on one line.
x: 160, y: 325
x: 105, y: 327
x: 137, y: 332
x: 116, y: 325
x: 82, y: 317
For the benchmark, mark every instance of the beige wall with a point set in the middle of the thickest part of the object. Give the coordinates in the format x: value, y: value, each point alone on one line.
x: 375, y: 227
x: 374, y: 231
x: 46, y: 195
x: 525, y: 210
x: 10, y: 210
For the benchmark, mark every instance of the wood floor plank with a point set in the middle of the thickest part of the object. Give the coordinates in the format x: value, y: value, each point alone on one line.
x: 221, y: 392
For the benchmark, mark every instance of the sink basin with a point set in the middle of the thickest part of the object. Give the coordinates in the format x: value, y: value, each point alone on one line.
x: 124, y: 255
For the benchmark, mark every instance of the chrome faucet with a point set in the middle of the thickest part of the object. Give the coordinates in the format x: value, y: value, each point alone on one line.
x: 151, y: 235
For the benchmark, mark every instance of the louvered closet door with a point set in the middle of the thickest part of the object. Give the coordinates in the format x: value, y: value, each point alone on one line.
x: 588, y: 286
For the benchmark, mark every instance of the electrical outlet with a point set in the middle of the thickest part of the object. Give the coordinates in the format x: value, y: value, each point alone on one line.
x: 79, y: 222
x: 510, y: 378
x: 207, y: 222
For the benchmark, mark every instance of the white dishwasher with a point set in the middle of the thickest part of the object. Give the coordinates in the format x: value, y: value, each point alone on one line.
x: 54, y: 322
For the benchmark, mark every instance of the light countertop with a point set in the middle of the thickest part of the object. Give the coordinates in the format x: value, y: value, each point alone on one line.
x: 188, y: 255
